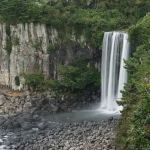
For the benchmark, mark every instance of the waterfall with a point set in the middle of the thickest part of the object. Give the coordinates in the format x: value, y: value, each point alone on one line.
x: 113, y: 74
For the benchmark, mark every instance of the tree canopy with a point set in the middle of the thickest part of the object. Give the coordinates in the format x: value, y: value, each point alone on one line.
x: 134, y: 125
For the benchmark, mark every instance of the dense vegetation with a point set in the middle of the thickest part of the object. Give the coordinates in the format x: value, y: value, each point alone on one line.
x: 73, y: 79
x: 134, y: 125
x: 133, y: 129
x: 89, y: 20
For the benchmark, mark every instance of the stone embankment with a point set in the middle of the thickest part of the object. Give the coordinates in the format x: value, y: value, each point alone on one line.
x: 19, y: 102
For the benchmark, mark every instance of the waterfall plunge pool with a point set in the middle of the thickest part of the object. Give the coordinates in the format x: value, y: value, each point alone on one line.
x: 82, y: 115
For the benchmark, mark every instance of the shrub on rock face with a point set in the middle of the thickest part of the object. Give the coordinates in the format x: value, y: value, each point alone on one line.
x: 76, y: 78
x: 73, y: 79
x: 17, y: 80
x: 8, y: 46
x: 34, y: 79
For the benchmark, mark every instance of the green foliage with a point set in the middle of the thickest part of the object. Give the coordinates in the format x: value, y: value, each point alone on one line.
x: 73, y: 79
x: 133, y: 129
x: 90, y: 19
x: 16, y: 41
x: 34, y: 79
x: 8, y: 29
x: 8, y: 46
x: 76, y: 78
x: 97, y: 40
x: 17, y: 80
x: 50, y: 49
x: 37, y: 45
x: 54, y: 85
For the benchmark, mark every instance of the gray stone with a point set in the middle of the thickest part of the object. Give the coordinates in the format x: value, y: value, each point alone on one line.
x: 52, y: 101
x: 1, y: 111
x: 72, y: 148
x: 7, y: 143
x: 53, y: 94
x: 12, y: 99
x: 16, y: 125
x: 42, y: 125
x: 25, y: 125
x: 35, y: 117
x: 2, y: 100
x: 54, y: 108
x: 17, y: 100
x: 109, y: 119
x: 2, y: 120
x: 28, y: 98
x: 27, y: 105
x: 8, y: 124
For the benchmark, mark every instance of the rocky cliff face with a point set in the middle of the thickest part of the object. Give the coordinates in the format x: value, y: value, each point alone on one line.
x: 39, y: 47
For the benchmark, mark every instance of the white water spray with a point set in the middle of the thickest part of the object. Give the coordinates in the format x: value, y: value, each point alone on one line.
x: 113, y: 74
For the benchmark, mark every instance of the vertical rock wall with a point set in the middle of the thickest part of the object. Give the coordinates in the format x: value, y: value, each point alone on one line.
x: 30, y: 43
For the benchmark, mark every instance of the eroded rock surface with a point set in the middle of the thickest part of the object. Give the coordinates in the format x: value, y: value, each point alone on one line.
x: 39, y: 47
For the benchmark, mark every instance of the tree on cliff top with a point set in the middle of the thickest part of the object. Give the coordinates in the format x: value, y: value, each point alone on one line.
x: 15, y: 11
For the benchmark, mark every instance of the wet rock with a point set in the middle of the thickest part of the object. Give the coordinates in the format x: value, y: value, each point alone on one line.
x: 54, y: 108
x: 42, y: 125
x: 7, y: 143
x: 25, y: 125
x: 110, y: 119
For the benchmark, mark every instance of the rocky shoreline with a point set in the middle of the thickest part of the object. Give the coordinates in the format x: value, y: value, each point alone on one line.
x: 41, y: 134
x: 24, y: 127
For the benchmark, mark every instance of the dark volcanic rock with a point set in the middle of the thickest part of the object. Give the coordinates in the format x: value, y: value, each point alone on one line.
x: 110, y: 119
x: 25, y: 125
x: 62, y: 136
x: 42, y: 125
x: 2, y: 120
x: 8, y: 124
x: 16, y: 125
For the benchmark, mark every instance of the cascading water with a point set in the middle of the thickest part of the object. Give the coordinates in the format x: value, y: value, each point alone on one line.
x: 113, y: 74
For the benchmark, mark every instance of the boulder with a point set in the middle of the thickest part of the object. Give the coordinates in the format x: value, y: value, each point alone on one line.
x: 42, y: 125
x: 27, y: 105
x: 1, y: 111
x: 110, y: 119
x: 12, y: 99
x: 28, y: 99
x: 53, y: 108
x: 2, y: 120
x: 8, y: 124
x: 38, y: 118
x: 25, y: 125
x: 2, y: 100
x: 16, y: 125
x: 17, y: 100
